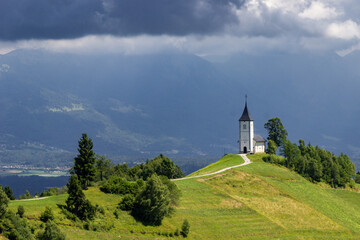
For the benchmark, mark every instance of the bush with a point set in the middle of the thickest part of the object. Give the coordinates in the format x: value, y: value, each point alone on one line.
x: 20, y: 211
x: 52, y: 191
x: 13, y: 227
x: 352, y: 183
x: 274, y: 159
x: 185, y: 229
x: 4, y: 200
x: 27, y: 195
x: 119, y: 185
x: 127, y: 203
x: 47, y: 215
x: 52, y: 232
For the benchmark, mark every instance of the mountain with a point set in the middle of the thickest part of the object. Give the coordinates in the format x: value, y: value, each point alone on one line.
x: 129, y: 105
x: 176, y: 104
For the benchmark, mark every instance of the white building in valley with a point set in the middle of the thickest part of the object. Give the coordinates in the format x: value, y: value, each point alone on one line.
x: 248, y: 141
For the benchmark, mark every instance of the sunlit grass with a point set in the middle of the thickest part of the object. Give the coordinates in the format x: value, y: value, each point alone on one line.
x: 226, y: 161
x: 256, y: 201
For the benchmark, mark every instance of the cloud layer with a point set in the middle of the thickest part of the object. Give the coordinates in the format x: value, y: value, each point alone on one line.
x: 203, y: 27
x: 59, y: 19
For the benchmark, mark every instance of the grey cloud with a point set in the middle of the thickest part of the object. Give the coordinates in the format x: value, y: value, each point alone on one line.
x: 60, y: 19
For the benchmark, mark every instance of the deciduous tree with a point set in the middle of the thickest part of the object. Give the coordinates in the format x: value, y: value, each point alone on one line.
x: 152, y: 204
x: 276, y: 130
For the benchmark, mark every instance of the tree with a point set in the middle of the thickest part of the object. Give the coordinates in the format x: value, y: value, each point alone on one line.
x: 185, y: 229
x: 9, y: 192
x: 102, y: 165
x: 152, y: 204
x: 84, y: 163
x: 4, y: 200
x: 272, y: 147
x: 76, y: 202
x: 276, y: 130
x: 52, y: 232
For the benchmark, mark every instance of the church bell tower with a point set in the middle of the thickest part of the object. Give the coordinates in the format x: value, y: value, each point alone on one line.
x: 246, y: 131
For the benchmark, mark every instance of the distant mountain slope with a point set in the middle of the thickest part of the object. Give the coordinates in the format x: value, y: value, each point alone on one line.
x: 175, y: 104
x: 129, y: 105
x: 257, y: 201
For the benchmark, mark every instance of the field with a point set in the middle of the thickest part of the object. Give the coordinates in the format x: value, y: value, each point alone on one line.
x: 256, y: 201
x: 31, y: 172
x: 226, y: 161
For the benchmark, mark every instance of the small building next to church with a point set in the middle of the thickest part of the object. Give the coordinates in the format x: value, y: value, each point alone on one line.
x: 248, y: 141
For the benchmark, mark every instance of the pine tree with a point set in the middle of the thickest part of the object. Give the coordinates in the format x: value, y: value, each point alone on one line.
x: 77, y: 202
x: 84, y: 163
x: 9, y: 192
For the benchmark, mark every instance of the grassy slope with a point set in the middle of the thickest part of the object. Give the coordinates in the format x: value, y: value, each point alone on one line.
x: 226, y: 161
x: 257, y: 201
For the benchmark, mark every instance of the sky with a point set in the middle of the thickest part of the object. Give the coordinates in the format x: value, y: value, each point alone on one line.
x: 202, y: 27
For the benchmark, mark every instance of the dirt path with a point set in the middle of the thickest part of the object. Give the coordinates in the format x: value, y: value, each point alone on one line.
x: 246, y: 159
x: 33, y: 199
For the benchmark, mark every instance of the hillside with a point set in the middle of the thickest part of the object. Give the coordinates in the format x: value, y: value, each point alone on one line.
x: 166, y: 103
x: 256, y: 201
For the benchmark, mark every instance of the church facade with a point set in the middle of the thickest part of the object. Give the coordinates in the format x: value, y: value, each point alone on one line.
x: 248, y: 141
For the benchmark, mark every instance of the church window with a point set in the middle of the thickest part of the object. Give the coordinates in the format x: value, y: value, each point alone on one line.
x: 244, y: 126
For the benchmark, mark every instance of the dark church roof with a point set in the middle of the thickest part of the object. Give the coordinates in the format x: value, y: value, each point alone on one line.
x: 246, y: 115
x: 259, y: 138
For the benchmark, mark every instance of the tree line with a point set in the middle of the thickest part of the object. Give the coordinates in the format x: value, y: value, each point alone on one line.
x: 311, y: 162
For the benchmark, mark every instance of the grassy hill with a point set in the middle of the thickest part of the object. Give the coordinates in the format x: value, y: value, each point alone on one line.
x: 256, y: 201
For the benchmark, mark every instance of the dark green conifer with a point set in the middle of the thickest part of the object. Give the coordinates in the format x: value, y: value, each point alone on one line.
x: 84, y: 162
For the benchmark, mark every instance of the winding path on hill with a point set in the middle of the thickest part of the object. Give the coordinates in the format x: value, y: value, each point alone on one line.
x: 246, y: 159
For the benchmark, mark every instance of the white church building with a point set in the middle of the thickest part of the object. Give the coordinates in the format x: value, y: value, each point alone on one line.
x: 248, y: 141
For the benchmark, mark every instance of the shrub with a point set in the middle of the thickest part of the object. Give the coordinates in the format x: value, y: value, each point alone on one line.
x: 185, y: 229
x: 51, y: 232
x: 13, y: 227
x: 47, y: 215
x: 20, y: 211
x: 127, y: 203
x: 4, y: 200
x: 52, y: 191
x: 27, y: 195
x: 119, y: 185
x: 274, y: 159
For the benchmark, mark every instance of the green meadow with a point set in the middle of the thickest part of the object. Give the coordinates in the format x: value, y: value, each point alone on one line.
x: 226, y: 161
x: 256, y: 201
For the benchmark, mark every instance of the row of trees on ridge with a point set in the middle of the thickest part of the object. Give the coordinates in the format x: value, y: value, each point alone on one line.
x: 312, y: 162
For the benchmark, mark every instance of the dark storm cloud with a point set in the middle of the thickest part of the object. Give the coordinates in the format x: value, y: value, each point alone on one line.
x: 56, y: 19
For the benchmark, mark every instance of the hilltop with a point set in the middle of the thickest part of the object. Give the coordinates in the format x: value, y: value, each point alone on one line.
x: 256, y: 201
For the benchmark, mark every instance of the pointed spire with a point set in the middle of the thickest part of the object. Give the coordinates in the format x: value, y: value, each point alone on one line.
x: 246, y: 115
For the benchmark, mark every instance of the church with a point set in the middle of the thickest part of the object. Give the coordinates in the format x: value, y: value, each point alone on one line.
x: 248, y: 141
